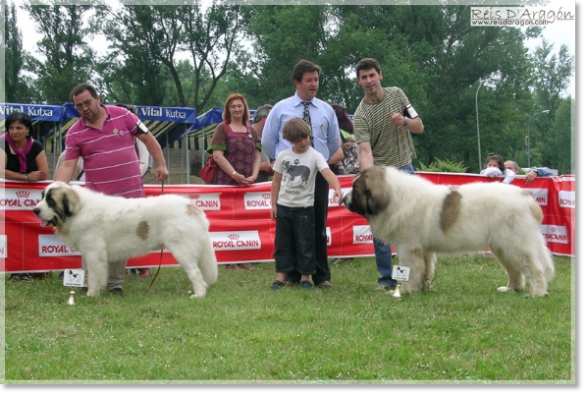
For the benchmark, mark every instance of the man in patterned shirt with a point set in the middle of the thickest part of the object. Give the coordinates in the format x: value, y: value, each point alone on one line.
x: 383, y: 124
x: 104, y: 138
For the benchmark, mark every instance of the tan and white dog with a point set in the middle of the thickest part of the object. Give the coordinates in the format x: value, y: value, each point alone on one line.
x: 110, y: 228
x: 421, y: 219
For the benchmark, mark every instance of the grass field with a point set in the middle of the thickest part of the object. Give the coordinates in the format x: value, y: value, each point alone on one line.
x: 462, y: 331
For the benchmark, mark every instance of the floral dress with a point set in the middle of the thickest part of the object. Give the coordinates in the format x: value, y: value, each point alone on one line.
x: 350, y: 149
x: 238, y: 150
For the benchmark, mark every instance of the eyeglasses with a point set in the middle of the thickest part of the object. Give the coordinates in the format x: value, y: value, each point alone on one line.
x: 85, y: 104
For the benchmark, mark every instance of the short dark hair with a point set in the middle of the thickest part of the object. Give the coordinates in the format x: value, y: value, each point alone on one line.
x: 304, y: 66
x: 129, y: 107
x: 18, y: 116
x: 367, y: 64
x: 262, y: 111
x: 296, y: 129
x: 81, y: 88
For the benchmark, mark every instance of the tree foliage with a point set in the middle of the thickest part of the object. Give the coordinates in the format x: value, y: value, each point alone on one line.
x: 195, y: 56
x: 68, y: 58
x: 14, y: 86
x: 152, y: 40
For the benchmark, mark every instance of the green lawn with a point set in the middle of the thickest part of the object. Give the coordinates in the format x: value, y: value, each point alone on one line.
x: 463, y: 330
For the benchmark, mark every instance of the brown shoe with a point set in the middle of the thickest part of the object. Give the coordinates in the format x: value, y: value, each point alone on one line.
x: 244, y: 266
x: 324, y: 285
x: 231, y: 267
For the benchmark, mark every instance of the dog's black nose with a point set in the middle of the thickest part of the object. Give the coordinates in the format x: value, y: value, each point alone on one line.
x: 37, y: 211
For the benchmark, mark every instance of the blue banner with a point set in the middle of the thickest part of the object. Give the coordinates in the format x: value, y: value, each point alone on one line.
x: 212, y: 117
x: 149, y: 113
x: 37, y: 112
x: 166, y: 114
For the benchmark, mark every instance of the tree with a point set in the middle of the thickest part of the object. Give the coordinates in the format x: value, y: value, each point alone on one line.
x: 551, y: 74
x: 14, y: 85
x: 147, y: 37
x: 549, y: 133
x: 68, y: 59
x: 212, y: 41
x: 281, y: 36
x: 557, y: 152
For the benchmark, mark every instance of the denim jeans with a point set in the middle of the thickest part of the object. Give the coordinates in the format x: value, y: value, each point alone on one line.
x: 294, y: 240
x: 382, y: 251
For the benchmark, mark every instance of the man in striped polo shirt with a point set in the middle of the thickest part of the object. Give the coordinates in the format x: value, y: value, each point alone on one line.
x: 383, y: 124
x: 104, y: 138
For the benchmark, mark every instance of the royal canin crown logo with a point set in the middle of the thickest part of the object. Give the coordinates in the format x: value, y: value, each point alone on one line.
x: 553, y: 229
x: 233, y: 237
x: 194, y: 197
x: 23, y: 194
x: 266, y: 196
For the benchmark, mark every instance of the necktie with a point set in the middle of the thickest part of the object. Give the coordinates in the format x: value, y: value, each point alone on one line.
x: 307, y: 118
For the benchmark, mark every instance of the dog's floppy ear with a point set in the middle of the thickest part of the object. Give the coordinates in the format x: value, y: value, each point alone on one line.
x: 70, y: 203
x: 373, y: 204
x: 375, y: 195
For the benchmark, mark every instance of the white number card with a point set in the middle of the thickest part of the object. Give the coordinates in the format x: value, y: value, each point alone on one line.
x: 401, y: 273
x: 73, y: 277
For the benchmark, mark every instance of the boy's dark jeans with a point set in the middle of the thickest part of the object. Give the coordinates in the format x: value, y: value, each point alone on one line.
x: 320, y: 209
x: 294, y: 240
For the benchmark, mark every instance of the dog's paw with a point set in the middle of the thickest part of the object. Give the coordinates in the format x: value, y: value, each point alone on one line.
x: 505, y: 289
x: 426, y: 286
x: 197, y: 296
x: 92, y: 292
x: 538, y: 294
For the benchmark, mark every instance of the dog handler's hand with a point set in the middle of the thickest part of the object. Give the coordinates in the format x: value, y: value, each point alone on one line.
x: 339, y: 195
x: 161, y: 174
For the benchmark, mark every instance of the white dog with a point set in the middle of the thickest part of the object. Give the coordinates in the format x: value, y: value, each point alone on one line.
x: 422, y: 219
x: 109, y: 228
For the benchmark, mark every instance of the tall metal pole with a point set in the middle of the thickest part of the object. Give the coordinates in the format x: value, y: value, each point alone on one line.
x: 528, y: 142
x: 478, y: 128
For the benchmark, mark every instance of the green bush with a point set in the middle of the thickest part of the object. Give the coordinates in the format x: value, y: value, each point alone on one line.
x: 443, y: 166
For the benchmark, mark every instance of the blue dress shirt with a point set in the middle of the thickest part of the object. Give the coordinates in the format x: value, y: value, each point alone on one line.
x: 324, y: 125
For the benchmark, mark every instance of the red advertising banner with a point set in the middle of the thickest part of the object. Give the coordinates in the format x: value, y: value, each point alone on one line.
x: 241, y: 228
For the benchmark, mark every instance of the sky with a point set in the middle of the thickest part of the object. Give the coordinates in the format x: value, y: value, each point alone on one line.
x: 558, y: 33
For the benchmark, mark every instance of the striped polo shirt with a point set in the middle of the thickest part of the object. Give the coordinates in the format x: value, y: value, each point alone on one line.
x: 110, y: 162
x: 392, y: 144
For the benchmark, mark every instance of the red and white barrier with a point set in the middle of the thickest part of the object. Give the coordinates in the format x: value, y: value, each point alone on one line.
x: 241, y: 228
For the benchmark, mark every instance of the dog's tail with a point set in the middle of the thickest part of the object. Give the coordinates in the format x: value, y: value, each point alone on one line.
x: 546, y: 259
x: 544, y: 256
x: 208, y: 263
x: 534, y: 206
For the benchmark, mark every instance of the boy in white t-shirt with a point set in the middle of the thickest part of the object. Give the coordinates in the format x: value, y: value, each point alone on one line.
x: 292, y: 194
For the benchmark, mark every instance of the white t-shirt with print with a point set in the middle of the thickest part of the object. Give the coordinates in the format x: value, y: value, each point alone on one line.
x: 299, y: 171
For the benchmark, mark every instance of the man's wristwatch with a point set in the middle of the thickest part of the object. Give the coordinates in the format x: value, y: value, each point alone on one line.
x: 406, y: 121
